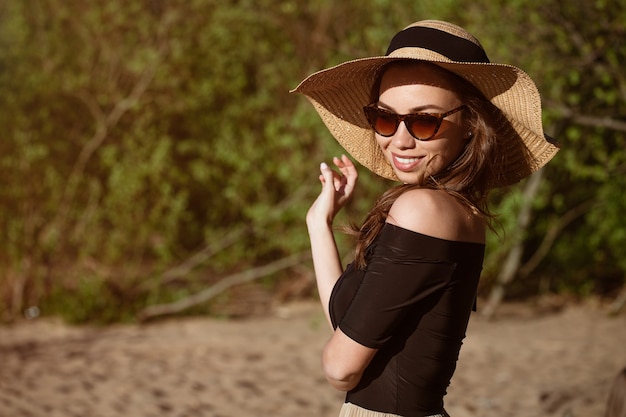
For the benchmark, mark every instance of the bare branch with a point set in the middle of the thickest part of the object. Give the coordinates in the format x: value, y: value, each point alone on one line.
x: 103, y: 123
x: 201, y: 256
x: 593, y: 121
x: 221, y: 286
x: 211, y: 249
x: 619, y: 302
x: 551, y: 235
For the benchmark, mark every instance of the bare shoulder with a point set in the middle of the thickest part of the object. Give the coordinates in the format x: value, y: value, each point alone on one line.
x: 436, y: 213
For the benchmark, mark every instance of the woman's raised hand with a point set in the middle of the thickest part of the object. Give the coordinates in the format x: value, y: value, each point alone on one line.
x: 337, y: 188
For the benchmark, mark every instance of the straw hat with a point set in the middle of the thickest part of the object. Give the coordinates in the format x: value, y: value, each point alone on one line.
x: 339, y: 94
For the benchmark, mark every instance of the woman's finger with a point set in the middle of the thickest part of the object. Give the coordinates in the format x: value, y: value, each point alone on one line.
x: 350, y: 173
x: 327, y: 177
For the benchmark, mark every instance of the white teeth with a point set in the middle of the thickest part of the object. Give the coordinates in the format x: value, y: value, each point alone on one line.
x: 406, y: 160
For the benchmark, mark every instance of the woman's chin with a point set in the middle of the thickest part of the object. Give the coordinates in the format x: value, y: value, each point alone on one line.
x: 409, y: 177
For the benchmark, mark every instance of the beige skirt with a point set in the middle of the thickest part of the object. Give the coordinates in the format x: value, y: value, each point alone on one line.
x: 351, y: 410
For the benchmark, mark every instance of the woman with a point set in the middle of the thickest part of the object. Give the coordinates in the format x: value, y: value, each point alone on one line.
x: 436, y: 116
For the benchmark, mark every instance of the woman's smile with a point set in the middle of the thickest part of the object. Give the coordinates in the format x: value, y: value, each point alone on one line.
x: 406, y: 163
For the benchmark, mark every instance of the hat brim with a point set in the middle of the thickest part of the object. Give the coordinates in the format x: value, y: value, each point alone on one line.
x: 340, y: 92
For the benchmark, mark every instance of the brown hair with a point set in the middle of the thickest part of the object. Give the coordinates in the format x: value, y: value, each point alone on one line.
x: 467, y: 178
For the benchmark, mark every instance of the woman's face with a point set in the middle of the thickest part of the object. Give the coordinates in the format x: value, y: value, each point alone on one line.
x: 423, y: 88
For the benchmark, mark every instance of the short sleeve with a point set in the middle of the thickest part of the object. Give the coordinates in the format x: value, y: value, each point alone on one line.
x: 399, y: 276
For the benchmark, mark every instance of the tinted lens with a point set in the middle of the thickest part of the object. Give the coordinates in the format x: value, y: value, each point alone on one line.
x: 422, y: 126
x: 385, y: 123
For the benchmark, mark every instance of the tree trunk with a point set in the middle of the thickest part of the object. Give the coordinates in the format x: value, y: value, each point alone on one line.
x: 514, y: 257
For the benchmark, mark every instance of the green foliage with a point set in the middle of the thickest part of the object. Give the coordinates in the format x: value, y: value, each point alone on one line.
x: 136, y: 133
x: 573, y: 51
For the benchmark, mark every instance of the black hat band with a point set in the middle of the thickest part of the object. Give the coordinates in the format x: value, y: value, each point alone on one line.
x: 453, y: 47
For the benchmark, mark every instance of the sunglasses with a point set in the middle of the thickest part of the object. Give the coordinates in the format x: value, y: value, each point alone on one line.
x: 422, y: 126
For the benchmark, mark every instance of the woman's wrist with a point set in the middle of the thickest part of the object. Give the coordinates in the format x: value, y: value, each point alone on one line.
x: 319, y: 226
x: 315, y: 221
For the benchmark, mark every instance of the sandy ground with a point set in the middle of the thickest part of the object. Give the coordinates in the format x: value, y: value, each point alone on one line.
x: 520, y: 364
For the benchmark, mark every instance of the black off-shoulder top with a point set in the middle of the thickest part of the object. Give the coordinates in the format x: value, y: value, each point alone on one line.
x: 412, y: 303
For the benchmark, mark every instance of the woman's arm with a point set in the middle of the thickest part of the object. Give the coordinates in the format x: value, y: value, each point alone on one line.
x: 337, y: 188
x: 343, y: 360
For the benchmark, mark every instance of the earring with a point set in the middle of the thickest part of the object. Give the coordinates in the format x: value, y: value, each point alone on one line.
x: 469, y: 135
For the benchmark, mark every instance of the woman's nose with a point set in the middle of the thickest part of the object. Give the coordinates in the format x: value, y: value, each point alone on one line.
x: 402, y: 139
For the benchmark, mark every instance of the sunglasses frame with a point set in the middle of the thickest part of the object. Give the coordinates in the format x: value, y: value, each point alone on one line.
x: 372, y: 111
